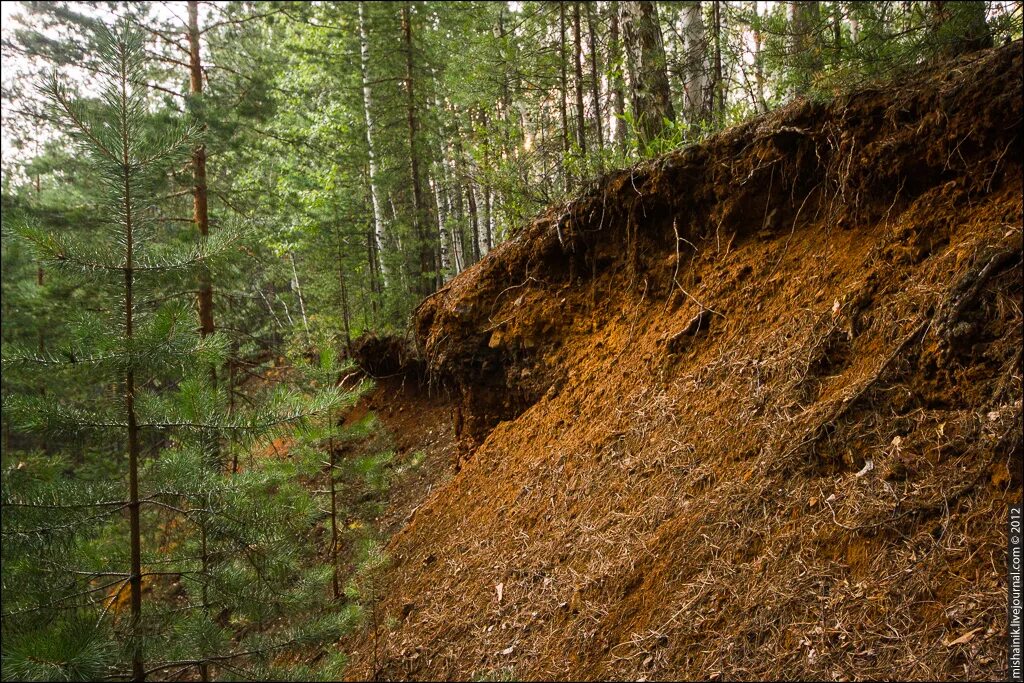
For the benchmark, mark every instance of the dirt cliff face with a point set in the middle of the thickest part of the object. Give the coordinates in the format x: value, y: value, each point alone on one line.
x: 750, y: 410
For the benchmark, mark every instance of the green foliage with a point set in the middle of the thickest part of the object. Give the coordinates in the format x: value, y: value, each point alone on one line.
x: 371, y: 561
x: 69, y: 647
x: 223, y: 551
x: 242, y: 453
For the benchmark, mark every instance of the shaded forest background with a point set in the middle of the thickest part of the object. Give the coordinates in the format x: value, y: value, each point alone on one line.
x: 379, y: 149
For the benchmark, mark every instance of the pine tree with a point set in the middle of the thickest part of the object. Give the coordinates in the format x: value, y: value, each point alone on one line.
x: 203, y: 547
x: 126, y: 337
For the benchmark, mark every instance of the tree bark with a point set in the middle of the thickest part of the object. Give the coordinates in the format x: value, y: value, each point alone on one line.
x: 456, y: 212
x: 577, y: 40
x: 485, y: 189
x: 645, y: 56
x: 564, y: 108
x: 474, y: 220
x: 471, y: 208
x: 760, y: 105
x: 616, y: 124
x: 200, y: 208
x: 373, y: 269
x: 40, y: 280
x: 345, y: 317
x: 487, y: 238
x: 334, y: 520
x: 378, y: 214
x: 135, y: 530
x: 424, y: 243
x: 444, y: 252
x: 719, y: 88
x: 298, y: 291
x: 595, y: 89
x: 695, y: 85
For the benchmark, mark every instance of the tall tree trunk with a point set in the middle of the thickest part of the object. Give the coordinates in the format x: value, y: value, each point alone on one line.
x: 564, y: 109
x: 595, y: 89
x: 201, y: 218
x: 345, y: 316
x: 135, y: 530
x: 40, y: 281
x: 200, y: 211
x: 373, y: 266
x: 444, y: 251
x: 462, y: 175
x: 485, y: 189
x: 421, y: 214
x: 456, y: 212
x: 378, y: 214
x: 695, y: 85
x: 135, y: 576
x: 487, y: 238
x: 618, y: 88
x: 577, y: 41
x: 719, y: 91
x: 298, y: 291
x: 452, y: 204
x: 335, y: 541
x: 645, y: 56
x: 474, y: 220
x: 760, y: 105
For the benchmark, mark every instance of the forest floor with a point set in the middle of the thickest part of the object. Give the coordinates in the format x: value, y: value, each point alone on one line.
x: 419, y: 425
x: 749, y: 411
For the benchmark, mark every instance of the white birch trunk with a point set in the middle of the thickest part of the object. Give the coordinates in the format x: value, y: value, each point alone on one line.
x: 695, y: 50
x: 442, y: 234
x: 378, y: 214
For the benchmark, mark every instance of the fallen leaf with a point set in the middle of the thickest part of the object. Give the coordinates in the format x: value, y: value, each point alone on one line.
x: 964, y: 639
x: 508, y: 650
x: 500, y: 588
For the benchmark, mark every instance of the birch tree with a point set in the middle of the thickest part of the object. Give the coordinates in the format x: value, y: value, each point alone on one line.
x: 375, y: 200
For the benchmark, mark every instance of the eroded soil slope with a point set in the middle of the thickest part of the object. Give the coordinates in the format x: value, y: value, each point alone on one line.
x: 751, y: 410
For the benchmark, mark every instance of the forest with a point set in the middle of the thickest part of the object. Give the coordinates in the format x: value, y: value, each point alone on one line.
x: 615, y: 340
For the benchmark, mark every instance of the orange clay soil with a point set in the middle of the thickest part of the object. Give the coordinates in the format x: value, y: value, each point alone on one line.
x: 750, y: 410
x: 418, y: 426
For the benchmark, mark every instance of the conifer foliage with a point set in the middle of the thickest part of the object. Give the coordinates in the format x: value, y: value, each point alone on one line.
x: 208, y: 204
x: 152, y: 554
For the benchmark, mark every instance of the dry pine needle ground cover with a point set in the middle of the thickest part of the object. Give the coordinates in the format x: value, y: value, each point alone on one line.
x: 751, y: 410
